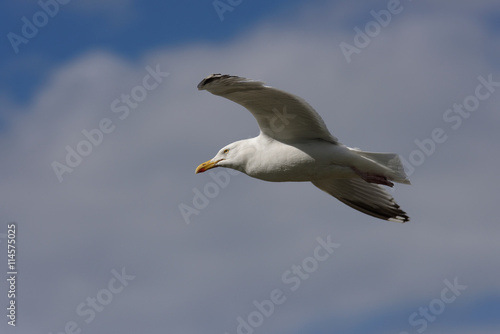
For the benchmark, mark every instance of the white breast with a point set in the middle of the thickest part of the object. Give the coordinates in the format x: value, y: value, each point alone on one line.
x: 278, y: 162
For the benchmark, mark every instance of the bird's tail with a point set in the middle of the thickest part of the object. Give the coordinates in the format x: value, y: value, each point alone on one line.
x: 390, y: 163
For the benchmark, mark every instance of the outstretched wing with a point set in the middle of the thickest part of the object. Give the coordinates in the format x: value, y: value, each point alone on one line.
x: 280, y: 115
x: 366, y: 197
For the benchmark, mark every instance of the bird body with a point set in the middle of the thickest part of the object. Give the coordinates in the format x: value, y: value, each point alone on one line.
x: 295, y: 145
x: 280, y: 161
x: 300, y: 161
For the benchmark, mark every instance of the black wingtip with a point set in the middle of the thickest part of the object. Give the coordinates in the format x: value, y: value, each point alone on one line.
x: 213, y: 77
x: 401, y: 218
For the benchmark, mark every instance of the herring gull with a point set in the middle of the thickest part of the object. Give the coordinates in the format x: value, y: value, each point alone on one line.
x: 294, y: 144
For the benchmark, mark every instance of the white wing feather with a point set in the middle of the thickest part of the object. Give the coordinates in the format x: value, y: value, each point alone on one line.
x: 280, y: 115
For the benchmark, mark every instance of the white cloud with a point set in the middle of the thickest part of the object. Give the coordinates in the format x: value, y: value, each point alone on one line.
x: 119, y: 208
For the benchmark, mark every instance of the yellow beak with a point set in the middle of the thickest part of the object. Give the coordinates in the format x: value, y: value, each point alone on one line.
x: 206, y: 166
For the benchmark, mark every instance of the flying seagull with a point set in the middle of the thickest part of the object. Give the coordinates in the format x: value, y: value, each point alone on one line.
x: 294, y: 144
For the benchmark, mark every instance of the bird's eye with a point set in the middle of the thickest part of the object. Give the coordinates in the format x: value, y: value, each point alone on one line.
x: 225, y: 151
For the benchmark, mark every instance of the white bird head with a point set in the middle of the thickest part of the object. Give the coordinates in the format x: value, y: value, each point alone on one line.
x: 235, y: 155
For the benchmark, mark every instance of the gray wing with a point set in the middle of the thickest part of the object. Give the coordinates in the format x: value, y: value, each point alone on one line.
x: 366, y: 197
x: 280, y: 115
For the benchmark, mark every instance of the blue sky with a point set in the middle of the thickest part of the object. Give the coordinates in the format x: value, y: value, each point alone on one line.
x: 116, y: 211
x: 128, y: 28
